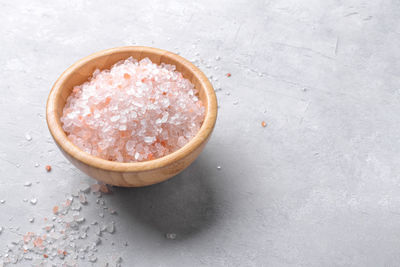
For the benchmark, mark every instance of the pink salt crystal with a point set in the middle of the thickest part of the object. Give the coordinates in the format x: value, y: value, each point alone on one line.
x: 135, y: 111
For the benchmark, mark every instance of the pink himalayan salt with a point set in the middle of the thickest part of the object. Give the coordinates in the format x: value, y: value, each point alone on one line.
x: 135, y: 111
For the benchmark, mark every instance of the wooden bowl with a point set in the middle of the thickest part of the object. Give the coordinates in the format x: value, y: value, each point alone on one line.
x: 137, y: 173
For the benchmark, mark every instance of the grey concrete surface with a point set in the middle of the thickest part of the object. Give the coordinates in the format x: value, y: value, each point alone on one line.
x: 319, y: 186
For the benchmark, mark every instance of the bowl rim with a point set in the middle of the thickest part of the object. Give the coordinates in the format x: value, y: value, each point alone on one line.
x: 60, y: 137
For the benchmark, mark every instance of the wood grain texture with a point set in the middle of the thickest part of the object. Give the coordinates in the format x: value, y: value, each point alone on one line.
x: 138, y: 173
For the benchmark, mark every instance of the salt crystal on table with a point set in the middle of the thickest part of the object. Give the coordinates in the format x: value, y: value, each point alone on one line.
x: 28, y: 137
x: 2, y: 201
x: 33, y: 201
x: 82, y: 199
x: 27, y: 184
x: 111, y: 228
x: 84, y: 188
x: 136, y: 111
x: 170, y: 236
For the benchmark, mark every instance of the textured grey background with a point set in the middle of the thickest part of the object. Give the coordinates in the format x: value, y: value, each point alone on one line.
x: 319, y: 186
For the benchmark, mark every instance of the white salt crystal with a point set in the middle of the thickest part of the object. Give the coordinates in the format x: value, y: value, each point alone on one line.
x: 84, y: 187
x: 33, y: 201
x: 79, y: 219
x: 92, y: 259
x: 82, y: 199
x: 149, y: 139
x: 2, y: 201
x: 111, y: 228
x: 217, y: 58
x: 28, y: 137
x: 170, y: 236
x: 114, y: 118
x: 31, y: 220
x: 27, y: 184
x: 218, y: 167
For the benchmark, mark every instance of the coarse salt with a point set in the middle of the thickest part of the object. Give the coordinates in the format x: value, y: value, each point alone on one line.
x: 136, y: 111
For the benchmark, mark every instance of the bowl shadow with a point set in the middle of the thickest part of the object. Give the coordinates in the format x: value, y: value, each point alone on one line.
x: 184, y: 205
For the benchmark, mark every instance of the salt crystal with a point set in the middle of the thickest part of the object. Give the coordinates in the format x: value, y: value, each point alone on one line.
x: 27, y: 184
x: 2, y: 201
x: 28, y: 137
x: 217, y: 58
x: 37, y: 165
x: 113, y: 211
x: 92, y: 259
x: 111, y: 228
x: 170, y: 236
x: 76, y: 206
x: 218, y: 167
x: 127, y: 113
x: 1, y: 229
x: 31, y: 220
x: 97, y: 241
x: 84, y: 188
x: 82, y: 199
x: 33, y: 201
x: 79, y: 219
x: 235, y: 102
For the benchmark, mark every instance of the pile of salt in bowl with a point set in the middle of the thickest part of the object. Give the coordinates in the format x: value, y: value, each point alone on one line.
x: 136, y: 111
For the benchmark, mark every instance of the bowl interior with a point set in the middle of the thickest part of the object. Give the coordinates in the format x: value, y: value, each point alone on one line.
x: 82, y: 70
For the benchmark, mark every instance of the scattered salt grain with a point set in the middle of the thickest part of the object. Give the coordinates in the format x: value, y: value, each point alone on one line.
x: 113, y: 212
x: 171, y: 236
x: 219, y: 167
x: 235, y: 102
x: 2, y: 201
x: 28, y: 137
x: 31, y: 220
x: 84, y: 188
x: 82, y: 198
x: 78, y: 218
x: 134, y: 112
x: 227, y: 93
x: 33, y: 201
x: 217, y: 58
x: 27, y: 184
x: 37, y: 165
x: 111, y: 228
